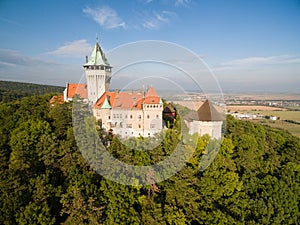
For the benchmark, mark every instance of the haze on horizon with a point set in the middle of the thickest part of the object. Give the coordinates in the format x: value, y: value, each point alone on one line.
x: 249, y: 46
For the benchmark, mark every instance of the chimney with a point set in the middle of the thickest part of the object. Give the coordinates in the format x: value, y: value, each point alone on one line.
x: 86, y: 59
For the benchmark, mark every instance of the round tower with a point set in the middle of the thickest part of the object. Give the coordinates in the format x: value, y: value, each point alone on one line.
x: 98, y: 74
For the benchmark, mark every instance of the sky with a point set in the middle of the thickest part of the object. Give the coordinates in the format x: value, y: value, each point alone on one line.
x: 248, y: 46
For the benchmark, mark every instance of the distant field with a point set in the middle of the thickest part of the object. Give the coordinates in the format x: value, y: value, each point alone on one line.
x: 294, y: 129
x: 252, y: 108
x: 196, y: 105
x: 294, y: 108
x: 284, y: 115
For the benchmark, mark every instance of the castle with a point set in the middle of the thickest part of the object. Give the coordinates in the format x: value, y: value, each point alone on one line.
x: 133, y: 113
x: 126, y: 113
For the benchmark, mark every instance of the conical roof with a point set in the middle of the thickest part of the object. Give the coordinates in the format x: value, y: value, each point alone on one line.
x: 97, y: 57
x: 207, y: 112
x: 106, y: 104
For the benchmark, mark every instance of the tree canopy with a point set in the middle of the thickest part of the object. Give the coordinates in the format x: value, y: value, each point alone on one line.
x: 254, y: 179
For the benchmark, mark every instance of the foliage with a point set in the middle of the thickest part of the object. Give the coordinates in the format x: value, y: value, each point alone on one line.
x: 254, y: 179
x: 14, y: 90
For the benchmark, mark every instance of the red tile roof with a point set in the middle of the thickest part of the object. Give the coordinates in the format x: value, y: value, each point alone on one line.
x: 80, y: 89
x: 57, y: 99
x: 129, y: 100
x: 151, y: 96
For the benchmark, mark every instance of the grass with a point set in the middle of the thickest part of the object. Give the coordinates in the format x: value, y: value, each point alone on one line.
x: 294, y: 108
x: 284, y: 115
x: 294, y: 129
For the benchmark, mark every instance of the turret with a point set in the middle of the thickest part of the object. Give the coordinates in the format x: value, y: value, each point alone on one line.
x: 98, y: 74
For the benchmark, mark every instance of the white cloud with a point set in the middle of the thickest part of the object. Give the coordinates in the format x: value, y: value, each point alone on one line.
x: 78, y: 48
x: 156, y: 20
x: 9, y: 57
x: 182, y: 2
x: 275, y: 73
x: 255, y: 61
x: 19, y: 67
x: 106, y: 17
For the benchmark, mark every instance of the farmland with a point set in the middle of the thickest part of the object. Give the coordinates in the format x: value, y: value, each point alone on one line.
x: 294, y: 129
x: 282, y: 113
x: 248, y: 108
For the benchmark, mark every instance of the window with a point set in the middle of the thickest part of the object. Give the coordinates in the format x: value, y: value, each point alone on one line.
x: 148, y: 117
x: 129, y: 125
x: 139, y: 125
x: 109, y: 117
x: 125, y: 116
x: 121, y: 116
x: 140, y: 117
x: 157, y: 116
x: 130, y: 116
x: 152, y: 125
x: 114, y: 115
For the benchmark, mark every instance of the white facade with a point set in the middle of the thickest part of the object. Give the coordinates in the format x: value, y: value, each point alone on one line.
x: 212, y: 128
x: 206, y: 120
x: 131, y: 122
x: 97, y: 79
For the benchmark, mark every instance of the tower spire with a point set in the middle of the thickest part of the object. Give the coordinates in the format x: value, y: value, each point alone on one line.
x: 96, y: 36
x: 98, y: 73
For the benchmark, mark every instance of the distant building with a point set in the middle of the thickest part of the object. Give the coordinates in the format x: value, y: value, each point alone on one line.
x: 132, y: 113
x: 169, y: 111
x: 169, y: 115
x: 73, y: 89
x: 206, y: 120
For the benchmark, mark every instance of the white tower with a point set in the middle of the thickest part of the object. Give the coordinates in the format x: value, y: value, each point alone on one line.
x: 98, y: 74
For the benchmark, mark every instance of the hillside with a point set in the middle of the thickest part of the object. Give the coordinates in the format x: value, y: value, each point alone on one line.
x: 254, y: 179
x: 10, y: 90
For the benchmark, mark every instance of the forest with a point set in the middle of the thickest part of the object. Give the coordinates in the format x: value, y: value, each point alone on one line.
x: 10, y: 90
x: 44, y: 179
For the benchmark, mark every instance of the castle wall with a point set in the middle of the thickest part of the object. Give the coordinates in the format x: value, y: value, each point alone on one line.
x: 212, y: 128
